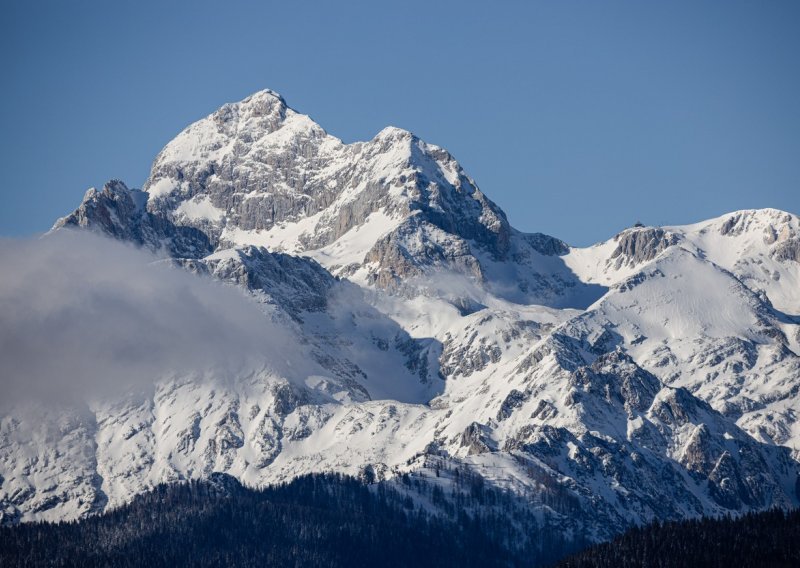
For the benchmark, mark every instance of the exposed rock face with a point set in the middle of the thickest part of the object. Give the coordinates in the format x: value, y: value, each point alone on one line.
x: 415, y: 247
x: 742, y: 222
x: 256, y: 164
x: 659, y: 420
x: 639, y: 245
x: 294, y: 283
x: 120, y: 212
x: 546, y: 245
x: 778, y: 230
x: 474, y: 438
x: 788, y: 249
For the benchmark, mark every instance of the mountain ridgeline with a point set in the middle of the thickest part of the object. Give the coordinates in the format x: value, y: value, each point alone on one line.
x: 654, y: 376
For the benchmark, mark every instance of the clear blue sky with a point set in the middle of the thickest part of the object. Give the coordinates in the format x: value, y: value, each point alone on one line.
x: 578, y: 118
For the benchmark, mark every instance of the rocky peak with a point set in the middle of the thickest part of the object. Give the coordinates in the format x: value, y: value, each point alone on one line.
x: 120, y: 213
x: 392, y: 135
x: 263, y: 111
x: 640, y: 244
x: 110, y: 210
x: 778, y: 230
x: 772, y: 222
x: 250, y: 171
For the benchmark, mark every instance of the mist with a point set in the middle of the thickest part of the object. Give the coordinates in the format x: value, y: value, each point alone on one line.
x: 83, y: 314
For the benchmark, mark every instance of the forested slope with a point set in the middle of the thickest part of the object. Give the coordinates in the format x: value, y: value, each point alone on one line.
x: 316, y: 520
x: 757, y: 540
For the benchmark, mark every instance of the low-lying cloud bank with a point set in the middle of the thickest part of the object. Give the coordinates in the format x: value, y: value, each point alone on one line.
x: 80, y: 312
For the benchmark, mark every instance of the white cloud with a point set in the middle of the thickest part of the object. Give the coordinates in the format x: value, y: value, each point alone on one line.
x: 79, y: 311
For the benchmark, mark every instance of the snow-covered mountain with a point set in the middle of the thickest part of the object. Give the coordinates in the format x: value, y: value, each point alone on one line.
x: 654, y: 375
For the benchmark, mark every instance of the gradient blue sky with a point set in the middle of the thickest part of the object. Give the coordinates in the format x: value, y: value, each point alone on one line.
x: 578, y: 118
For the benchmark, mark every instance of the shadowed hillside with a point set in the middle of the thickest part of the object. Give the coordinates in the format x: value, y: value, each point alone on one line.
x: 769, y: 539
x: 316, y: 520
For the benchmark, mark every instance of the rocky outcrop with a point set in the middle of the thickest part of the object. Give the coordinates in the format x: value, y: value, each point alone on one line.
x: 639, y: 245
x: 120, y: 213
x: 788, y: 249
x: 545, y: 244
x: 294, y: 283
